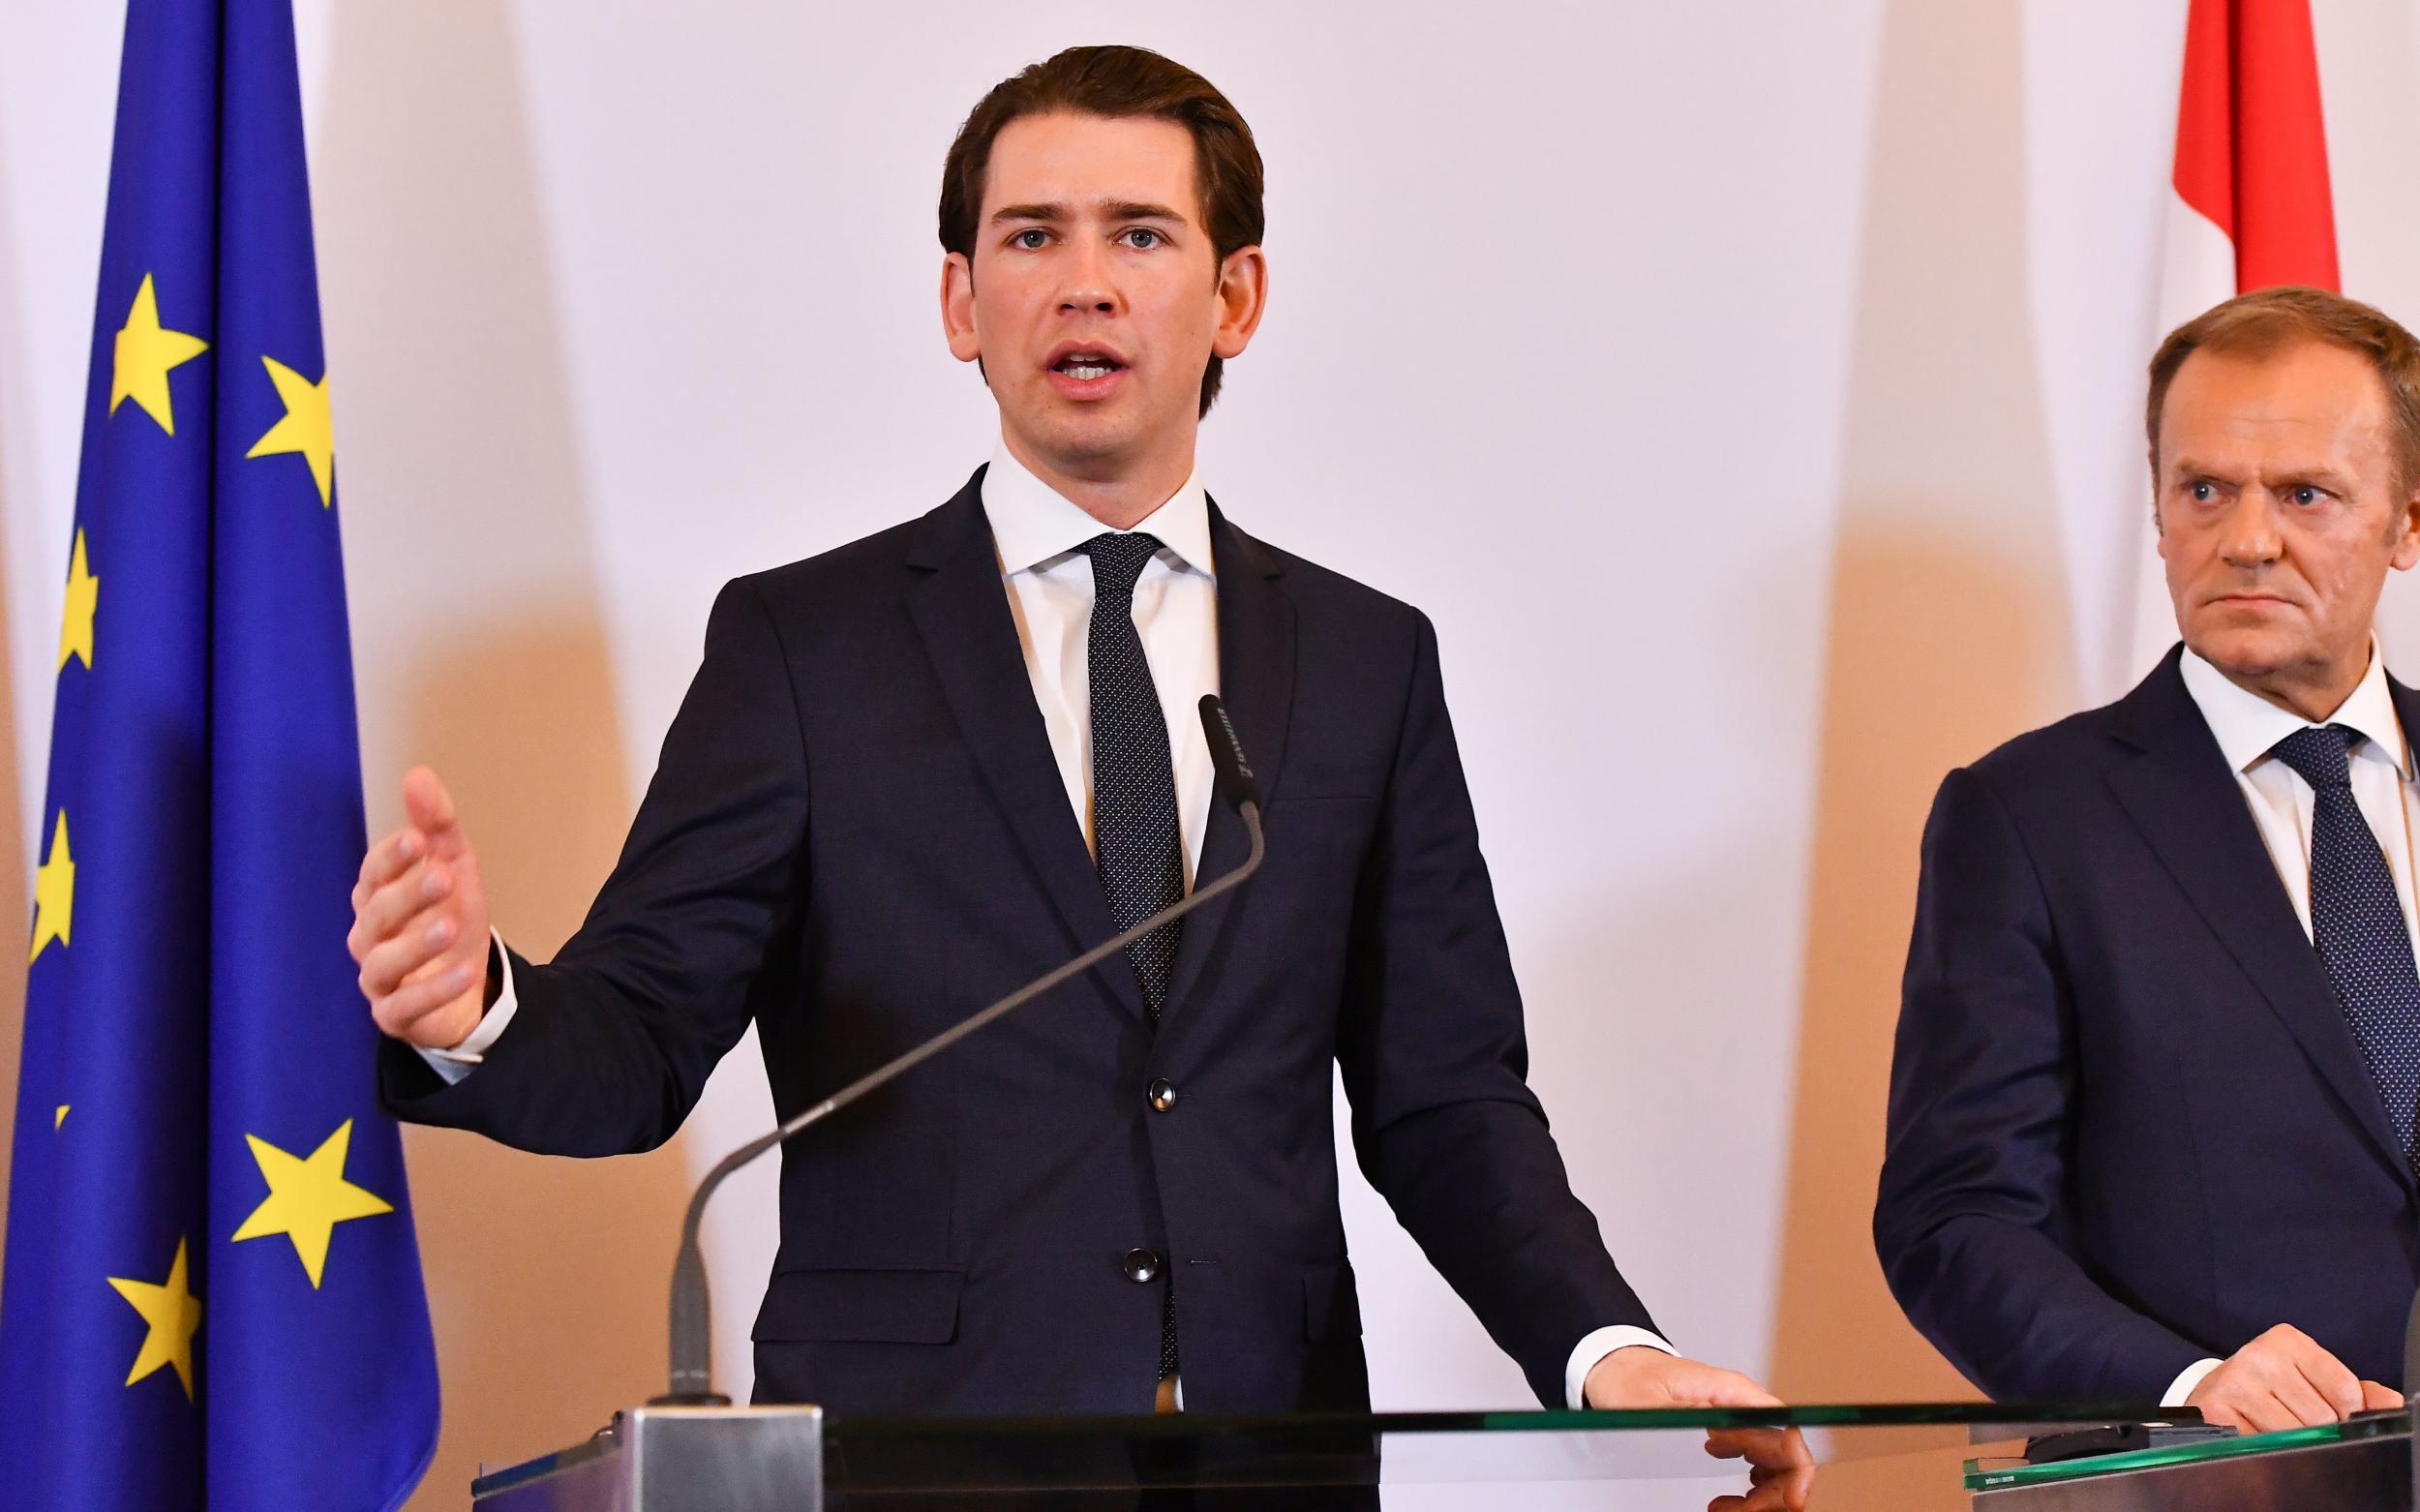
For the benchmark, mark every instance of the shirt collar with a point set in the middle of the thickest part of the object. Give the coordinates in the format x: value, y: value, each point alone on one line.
x: 1033, y: 525
x: 2247, y: 725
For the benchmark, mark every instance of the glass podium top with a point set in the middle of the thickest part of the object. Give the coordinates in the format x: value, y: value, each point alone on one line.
x: 1195, y: 1449
x: 1906, y: 1456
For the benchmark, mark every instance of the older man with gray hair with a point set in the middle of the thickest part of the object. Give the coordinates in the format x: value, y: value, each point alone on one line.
x: 2153, y: 1101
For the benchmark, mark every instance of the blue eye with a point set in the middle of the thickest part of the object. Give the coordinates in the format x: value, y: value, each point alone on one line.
x: 2201, y: 493
x: 2307, y: 495
x: 1028, y: 240
x: 1143, y: 239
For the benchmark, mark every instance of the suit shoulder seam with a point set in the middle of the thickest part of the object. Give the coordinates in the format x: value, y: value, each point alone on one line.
x: 2024, y: 847
x: 782, y: 649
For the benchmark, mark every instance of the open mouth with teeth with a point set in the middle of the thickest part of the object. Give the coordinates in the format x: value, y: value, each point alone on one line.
x: 1085, y: 366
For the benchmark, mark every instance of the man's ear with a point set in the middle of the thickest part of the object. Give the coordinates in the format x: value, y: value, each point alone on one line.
x: 1243, y: 294
x: 2158, y: 532
x: 2407, y: 541
x: 958, y: 307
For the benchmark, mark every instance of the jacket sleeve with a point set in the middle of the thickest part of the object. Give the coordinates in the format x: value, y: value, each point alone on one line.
x: 613, y: 1042
x: 1970, y: 1222
x: 1435, y: 1062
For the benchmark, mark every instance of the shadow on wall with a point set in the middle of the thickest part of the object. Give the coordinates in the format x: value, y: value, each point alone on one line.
x: 480, y: 650
x: 1948, y: 634
x: 16, y: 425
x: 545, y: 1275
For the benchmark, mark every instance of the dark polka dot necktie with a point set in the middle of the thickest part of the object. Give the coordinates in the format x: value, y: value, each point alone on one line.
x: 2357, y: 924
x: 1133, y: 797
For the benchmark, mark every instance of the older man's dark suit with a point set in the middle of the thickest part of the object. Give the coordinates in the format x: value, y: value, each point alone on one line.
x: 2128, y: 1127
x: 857, y: 836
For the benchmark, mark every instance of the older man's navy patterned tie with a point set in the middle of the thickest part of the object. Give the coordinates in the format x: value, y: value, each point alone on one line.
x: 2357, y: 924
x: 1134, y: 796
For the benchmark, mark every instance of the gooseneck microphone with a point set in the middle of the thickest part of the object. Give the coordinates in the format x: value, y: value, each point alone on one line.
x: 692, y: 1343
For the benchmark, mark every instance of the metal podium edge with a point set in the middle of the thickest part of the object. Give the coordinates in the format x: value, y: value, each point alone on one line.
x: 668, y: 1459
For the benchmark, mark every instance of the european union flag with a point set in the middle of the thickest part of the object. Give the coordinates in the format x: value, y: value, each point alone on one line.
x: 212, y: 1292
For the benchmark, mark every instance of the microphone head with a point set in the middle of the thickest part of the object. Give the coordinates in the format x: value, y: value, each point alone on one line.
x: 1236, y: 783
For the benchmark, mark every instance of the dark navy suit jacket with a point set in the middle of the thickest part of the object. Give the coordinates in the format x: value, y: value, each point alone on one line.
x: 857, y: 836
x: 2128, y: 1127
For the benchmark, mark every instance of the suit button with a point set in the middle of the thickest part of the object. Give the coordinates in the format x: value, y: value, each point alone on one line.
x: 1162, y: 1094
x: 1139, y: 1266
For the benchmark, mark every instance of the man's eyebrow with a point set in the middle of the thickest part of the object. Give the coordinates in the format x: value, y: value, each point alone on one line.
x: 1032, y: 212
x: 1142, y: 210
x: 2324, y: 477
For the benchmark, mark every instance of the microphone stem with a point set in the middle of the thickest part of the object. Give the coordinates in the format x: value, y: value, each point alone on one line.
x: 692, y: 1345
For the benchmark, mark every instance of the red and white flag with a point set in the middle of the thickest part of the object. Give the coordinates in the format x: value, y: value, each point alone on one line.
x: 2249, y: 205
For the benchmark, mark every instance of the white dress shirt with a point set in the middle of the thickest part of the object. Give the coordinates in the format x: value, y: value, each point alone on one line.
x: 2247, y: 727
x: 1037, y: 532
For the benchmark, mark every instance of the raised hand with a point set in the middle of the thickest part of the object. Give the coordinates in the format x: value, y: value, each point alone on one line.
x: 420, y: 924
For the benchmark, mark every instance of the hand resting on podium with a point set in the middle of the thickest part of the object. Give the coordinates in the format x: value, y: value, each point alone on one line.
x: 2284, y: 1380
x: 1781, y: 1468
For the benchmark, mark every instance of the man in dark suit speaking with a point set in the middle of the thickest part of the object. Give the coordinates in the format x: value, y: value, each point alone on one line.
x: 2151, y: 1129
x: 919, y: 769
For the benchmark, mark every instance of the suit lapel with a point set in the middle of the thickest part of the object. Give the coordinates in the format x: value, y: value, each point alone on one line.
x: 2406, y: 706
x: 961, y: 609
x: 1257, y: 683
x: 2180, y: 793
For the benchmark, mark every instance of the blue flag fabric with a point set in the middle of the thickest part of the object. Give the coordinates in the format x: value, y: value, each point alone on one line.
x: 212, y: 1294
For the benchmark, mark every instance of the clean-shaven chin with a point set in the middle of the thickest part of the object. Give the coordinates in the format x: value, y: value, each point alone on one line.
x: 2246, y: 658
x: 1082, y: 444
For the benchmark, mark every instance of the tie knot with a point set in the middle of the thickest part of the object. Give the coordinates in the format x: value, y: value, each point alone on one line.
x: 1117, y: 562
x: 2320, y: 754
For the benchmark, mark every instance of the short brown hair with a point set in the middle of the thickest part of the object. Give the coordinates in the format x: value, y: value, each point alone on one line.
x: 2260, y: 323
x: 1117, y: 81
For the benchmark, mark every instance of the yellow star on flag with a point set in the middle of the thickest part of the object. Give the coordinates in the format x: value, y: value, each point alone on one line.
x: 173, y: 1312
x: 83, y: 596
x: 145, y: 352
x: 307, y: 427
x: 54, y: 893
x: 308, y: 1197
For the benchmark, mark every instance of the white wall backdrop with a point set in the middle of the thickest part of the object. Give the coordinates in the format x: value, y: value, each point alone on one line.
x: 1749, y: 391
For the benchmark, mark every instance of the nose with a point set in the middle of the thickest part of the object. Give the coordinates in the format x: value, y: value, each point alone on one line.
x: 1090, y: 287
x: 2251, y: 538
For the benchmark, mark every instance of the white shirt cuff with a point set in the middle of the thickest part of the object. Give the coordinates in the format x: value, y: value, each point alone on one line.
x: 2188, y: 1381
x: 455, y: 1063
x: 1591, y: 1351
